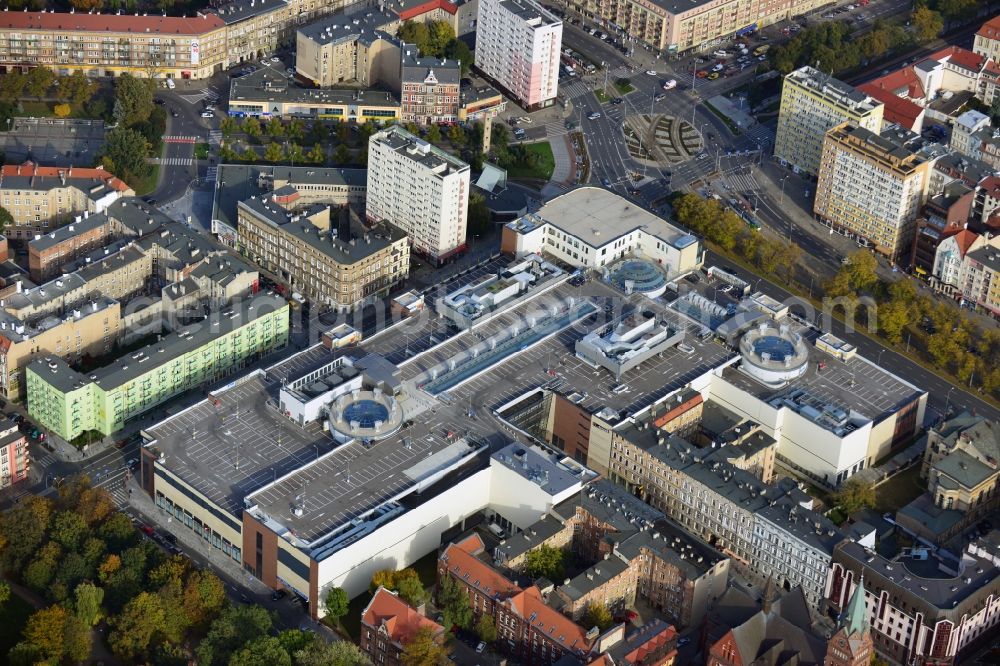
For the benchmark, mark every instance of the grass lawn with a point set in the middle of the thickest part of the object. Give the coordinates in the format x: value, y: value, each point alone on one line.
x: 13, y: 616
x: 624, y: 88
x: 900, y: 490
x: 201, y: 151
x: 601, y: 96
x: 43, y: 109
x: 546, y: 163
x: 147, y: 184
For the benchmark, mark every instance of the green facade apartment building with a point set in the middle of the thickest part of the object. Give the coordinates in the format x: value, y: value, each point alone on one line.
x: 69, y: 403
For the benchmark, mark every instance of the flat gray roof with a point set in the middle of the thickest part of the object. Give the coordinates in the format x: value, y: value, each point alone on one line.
x: 598, y: 216
x: 347, y: 26
x: 857, y: 384
x: 267, y: 85
x: 418, y: 150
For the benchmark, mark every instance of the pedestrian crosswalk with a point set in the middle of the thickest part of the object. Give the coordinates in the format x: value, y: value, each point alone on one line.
x: 742, y: 181
x: 212, y: 174
x: 554, y: 128
x: 171, y: 138
x: 46, y: 460
x: 115, y: 483
x: 175, y: 161
x: 215, y: 136
x: 574, y: 89
x: 196, y: 96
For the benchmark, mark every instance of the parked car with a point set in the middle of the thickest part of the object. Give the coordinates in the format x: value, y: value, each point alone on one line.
x: 278, y: 595
x: 594, y: 115
x: 207, y: 114
x: 669, y: 84
x: 481, y: 647
x: 171, y: 84
x: 713, y: 76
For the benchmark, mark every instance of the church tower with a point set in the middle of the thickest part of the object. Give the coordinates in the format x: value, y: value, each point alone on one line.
x: 851, y: 645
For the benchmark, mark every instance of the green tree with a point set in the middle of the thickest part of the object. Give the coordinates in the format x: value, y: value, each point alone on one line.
x: 251, y: 127
x: 339, y: 653
x: 316, y: 155
x: 295, y: 154
x: 958, y: 10
x: 12, y: 86
x: 4, y: 592
x: 46, y: 632
x: 410, y: 589
x: 479, y: 220
x: 76, y: 88
x: 927, y: 24
x: 77, y: 640
x: 459, y: 50
x: 233, y: 628
x: 227, y: 154
x: 341, y: 155
x: 87, y: 603
x: 125, y: 152
x: 597, y: 615
x: 139, y: 621
x: 485, y: 629
x: 261, y: 651
x: 434, y: 133
x: 336, y: 602
x: 68, y: 529
x: 42, y: 568
x: 22, y: 529
x: 204, y: 597
x: 456, y: 135
x: 133, y: 99
x: 6, y: 219
x: 228, y: 125
x: 295, y: 129
x: 249, y: 155
x: 38, y: 81
x: 439, y: 34
x: 545, y: 561
x: 454, y: 603
x: 417, y: 33
x: 424, y: 649
x: 854, y: 495
x: 274, y: 153
x: 275, y: 128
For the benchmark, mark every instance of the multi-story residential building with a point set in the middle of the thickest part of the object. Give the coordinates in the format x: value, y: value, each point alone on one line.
x: 518, y: 46
x: 811, y: 103
x: 767, y: 529
x: 924, y: 609
x: 41, y: 198
x: 979, y: 282
x: 69, y: 403
x: 388, y: 624
x: 355, y: 47
x: 47, y: 253
x: 267, y: 93
x: 528, y: 629
x: 430, y: 88
x: 419, y: 188
x: 343, y: 266
x: 963, y: 130
x: 14, y: 461
x: 987, y: 40
x: 591, y: 227
x: 949, y: 257
x: 872, y: 187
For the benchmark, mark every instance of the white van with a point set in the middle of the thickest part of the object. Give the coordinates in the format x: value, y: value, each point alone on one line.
x: 171, y: 84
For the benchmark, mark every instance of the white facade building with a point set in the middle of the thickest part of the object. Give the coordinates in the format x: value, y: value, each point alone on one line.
x: 420, y: 189
x: 965, y: 126
x: 518, y: 46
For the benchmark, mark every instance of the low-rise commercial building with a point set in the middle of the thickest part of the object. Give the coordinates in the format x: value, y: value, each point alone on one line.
x: 591, y: 227
x: 430, y: 88
x: 70, y: 403
x: 518, y: 46
x: 269, y: 94
x: 857, y: 162
x: 813, y: 102
x: 479, y: 103
x: 41, y: 199
x: 342, y: 265
x: 420, y: 189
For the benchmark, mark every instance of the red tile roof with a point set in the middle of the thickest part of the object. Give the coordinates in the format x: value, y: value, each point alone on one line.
x: 961, y: 57
x: 401, y: 621
x: 466, y: 567
x: 990, y: 29
x: 33, y: 170
x: 163, y: 25
x: 655, y: 642
x: 549, y: 621
x: 965, y: 239
x: 417, y: 10
x: 901, y: 82
x: 897, y: 110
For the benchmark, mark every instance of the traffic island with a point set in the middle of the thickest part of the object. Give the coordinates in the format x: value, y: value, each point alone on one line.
x: 661, y: 140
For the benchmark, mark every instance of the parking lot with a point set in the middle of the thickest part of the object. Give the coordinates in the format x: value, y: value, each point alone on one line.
x: 53, y: 142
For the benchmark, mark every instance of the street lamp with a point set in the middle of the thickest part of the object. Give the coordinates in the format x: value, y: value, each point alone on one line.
x: 783, y: 179
x: 878, y: 361
x: 947, y: 401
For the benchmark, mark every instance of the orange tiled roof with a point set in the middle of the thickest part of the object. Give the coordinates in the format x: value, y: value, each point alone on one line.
x: 965, y: 239
x: 467, y: 567
x: 401, y: 621
x: 990, y: 29
x: 417, y: 10
x: 897, y: 110
x: 901, y: 82
x: 31, y: 169
x: 547, y: 620
x: 163, y: 25
x: 961, y: 57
